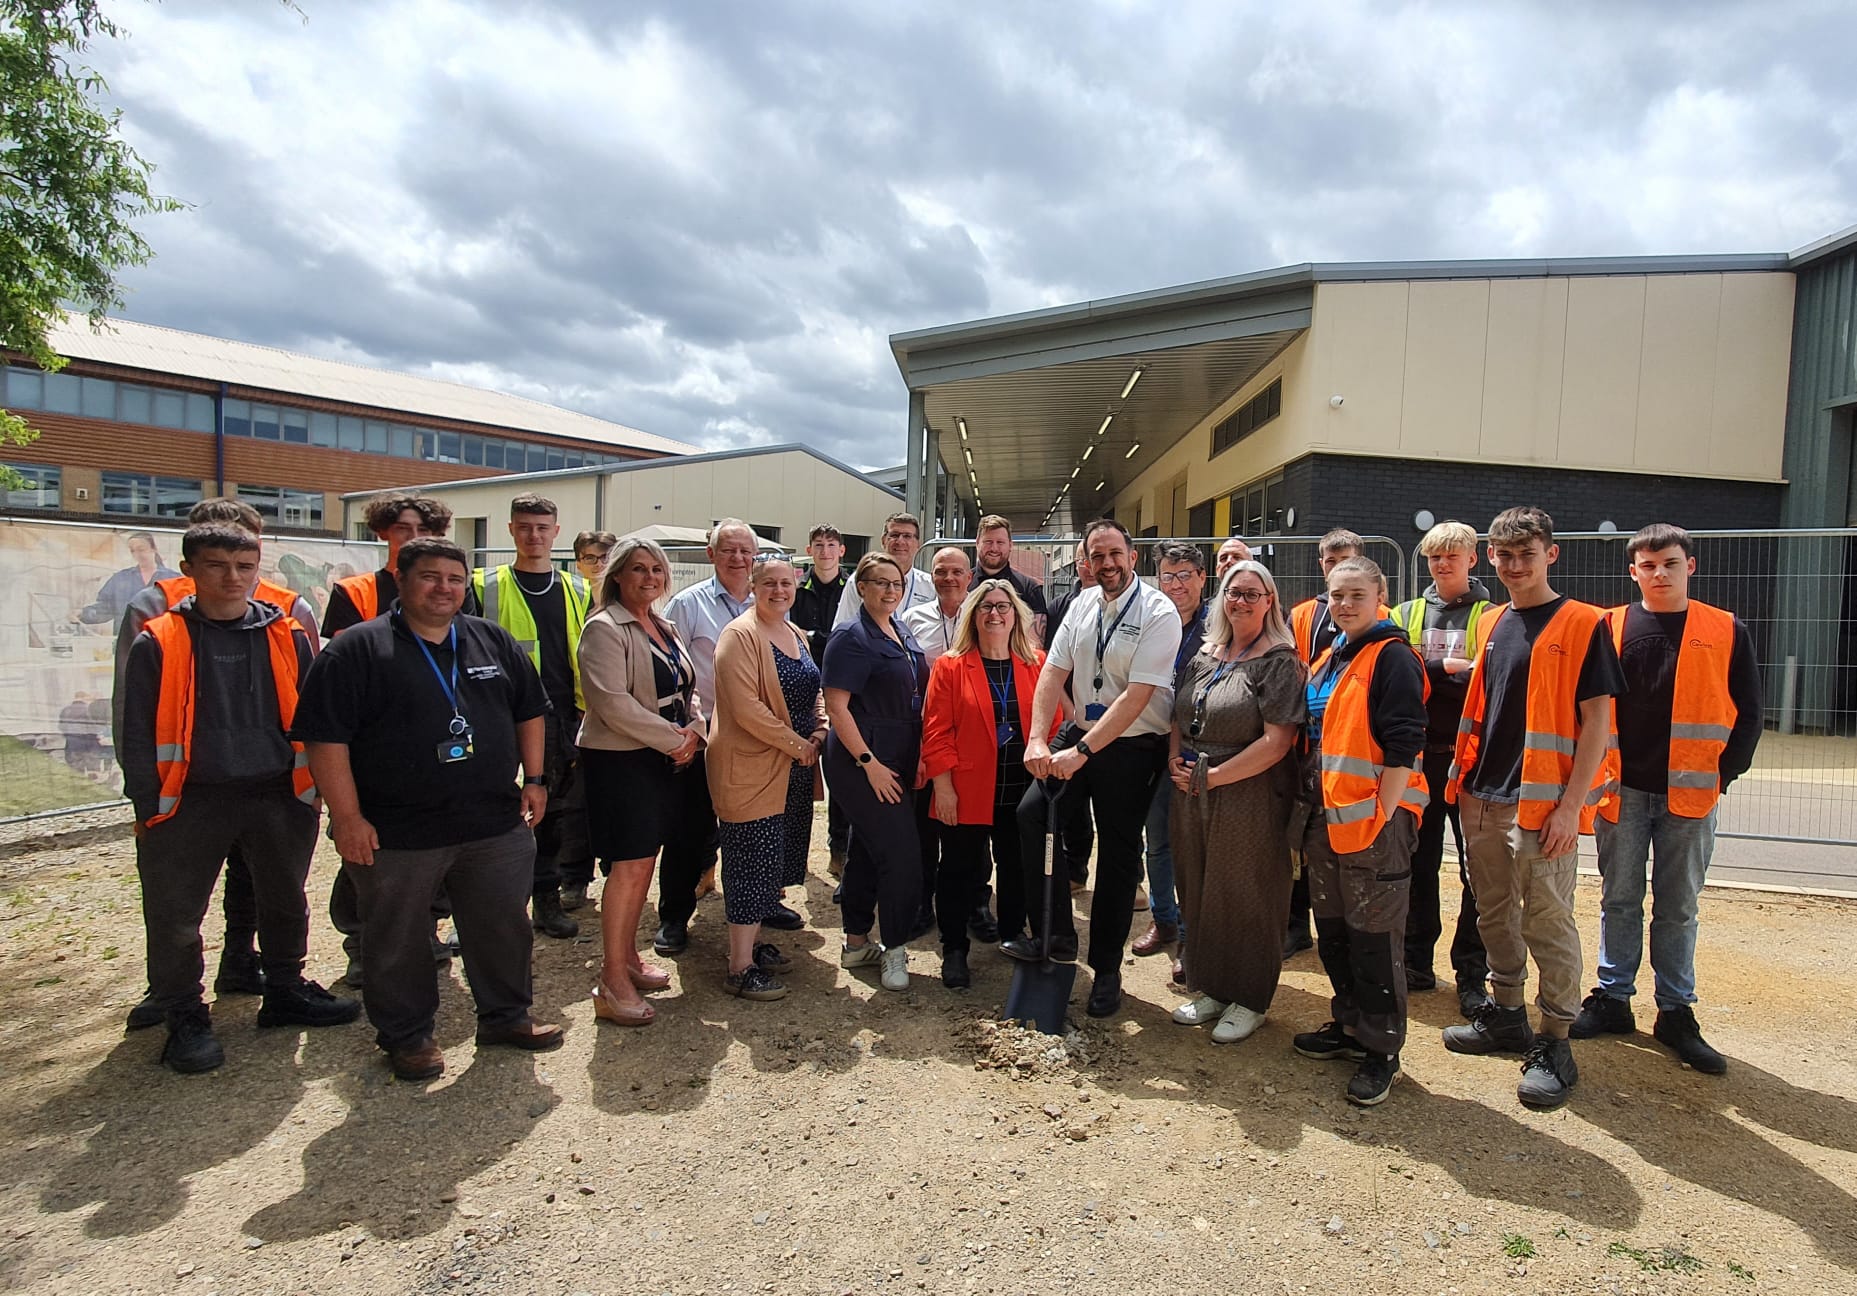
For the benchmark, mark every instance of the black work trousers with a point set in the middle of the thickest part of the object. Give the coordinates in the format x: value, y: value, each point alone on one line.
x: 1076, y: 839
x: 883, y: 869
x: 1117, y: 784
x: 690, y: 849
x: 1424, y: 925
x: 929, y: 838
x: 563, y: 850
x: 179, y: 860
x: 1360, y: 901
x: 488, y: 882
x: 965, y: 866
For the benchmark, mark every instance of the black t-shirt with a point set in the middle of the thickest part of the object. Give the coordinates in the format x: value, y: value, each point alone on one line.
x: 815, y: 608
x: 374, y: 690
x: 1497, y: 775
x: 547, y: 604
x: 1652, y: 642
x: 342, y: 612
x: 1028, y: 589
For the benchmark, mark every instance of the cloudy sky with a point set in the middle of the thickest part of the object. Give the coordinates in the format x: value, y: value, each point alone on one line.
x: 705, y: 220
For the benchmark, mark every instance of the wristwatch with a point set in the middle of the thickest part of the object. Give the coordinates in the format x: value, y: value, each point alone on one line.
x: 867, y: 758
x: 1083, y: 745
x: 535, y: 780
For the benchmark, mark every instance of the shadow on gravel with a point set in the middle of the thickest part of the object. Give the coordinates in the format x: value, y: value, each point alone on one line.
x: 1696, y: 1127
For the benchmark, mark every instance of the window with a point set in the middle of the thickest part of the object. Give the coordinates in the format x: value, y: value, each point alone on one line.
x: 1257, y: 508
x: 63, y: 393
x: 97, y: 398
x: 1248, y: 418
x: 146, y: 496
x: 537, y: 458
x: 25, y: 388
x: 238, y: 418
x: 134, y: 404
x: 425, y: 444
x: 400, y: 440
x: 556, y: 458
x: 264, y: 423
x: 38, y: 489
x: 170, y: 409
x: 199, y: 412
x: 296, y: 426
x: 374, y: 437
x: 348, y: 433
x: 283, y: 506
x: 322, y: 430
x: 474, y: 450
x: 449, y: 451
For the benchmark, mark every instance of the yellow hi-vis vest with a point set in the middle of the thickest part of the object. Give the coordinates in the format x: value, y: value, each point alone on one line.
x: 500, y: 599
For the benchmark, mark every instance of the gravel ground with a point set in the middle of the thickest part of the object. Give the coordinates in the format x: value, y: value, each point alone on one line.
x: 847, y: 1139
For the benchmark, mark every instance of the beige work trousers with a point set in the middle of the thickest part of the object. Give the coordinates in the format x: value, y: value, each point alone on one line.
x: 1524, y: 907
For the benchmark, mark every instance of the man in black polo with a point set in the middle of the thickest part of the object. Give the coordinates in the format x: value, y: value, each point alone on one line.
x: 993, y: 561
x: 815, y: 608
x: 417, y: 725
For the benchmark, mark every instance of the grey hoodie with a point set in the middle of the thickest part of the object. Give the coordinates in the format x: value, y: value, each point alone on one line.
x: 236, y: 735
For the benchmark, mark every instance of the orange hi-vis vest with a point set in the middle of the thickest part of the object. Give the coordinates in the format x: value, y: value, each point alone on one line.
x: 364, y: 592
x: 1302, y: 627
x: 176, y: 588
x: 1703, y: 714
x: 174, y: 710
x: 1352, y: 761
x: 1551, y: 724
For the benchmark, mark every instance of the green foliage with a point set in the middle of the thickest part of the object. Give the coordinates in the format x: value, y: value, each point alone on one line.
x: 70, y: 187
x: 1518, y: 1246
x: 1670, y: 1259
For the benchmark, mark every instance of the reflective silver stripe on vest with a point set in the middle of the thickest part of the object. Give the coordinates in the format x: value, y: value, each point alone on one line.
x: 1548, y: 742
x: 1701, y: 732
x: 170, y: 751
x: 166, y: 804
x: 1415, y: 795
x: 1541, y: 791
x: 1694, y: 779
x: 490, y: 592
x: 1349, y: 765
x: 1351, y: 813
x: 527, y: 645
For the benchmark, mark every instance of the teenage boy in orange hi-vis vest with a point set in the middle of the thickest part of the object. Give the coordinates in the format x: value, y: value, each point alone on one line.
x: 1688, y: 723
x: 210, y: 691
x: 1528, y: 777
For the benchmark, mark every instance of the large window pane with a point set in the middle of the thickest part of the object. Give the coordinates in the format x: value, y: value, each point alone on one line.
x: 538, y: 458
x: 174, y: 496
x: 25, y: 388
x: 374, y: 437
x: 98, y: 398
x: 262, y: 498
x: 348, y: 433
x: 449, y: 451
x: 425, y: 444
x: 170, y: 409
x: 38, y: 487
x: 134, y: 404
x: 322, y: 429
x: 199, y: 412
x: 474, y: 450
x: 125, y: 493
x: 264, y: 423
x: 400, y: 440
x: 556, y: 458
x: 238, y: 418
x: 63, y: 393
x: 296, y: 426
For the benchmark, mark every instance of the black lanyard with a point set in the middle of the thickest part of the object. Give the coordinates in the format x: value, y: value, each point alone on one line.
x: 1104, y: 636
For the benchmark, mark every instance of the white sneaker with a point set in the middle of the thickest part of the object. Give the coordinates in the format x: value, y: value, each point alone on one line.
x: 896, y: 968
x: 1236, y: 1023
x: 857, y: 956
x: 1202, y: 1010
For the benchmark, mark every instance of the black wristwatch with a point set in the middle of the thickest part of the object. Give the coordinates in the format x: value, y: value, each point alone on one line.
x: 1083, y: 745
x: 535, y: 780
x: 867, y: 758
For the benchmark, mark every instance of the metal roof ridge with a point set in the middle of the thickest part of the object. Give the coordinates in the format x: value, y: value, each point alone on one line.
x: 1830, y: 245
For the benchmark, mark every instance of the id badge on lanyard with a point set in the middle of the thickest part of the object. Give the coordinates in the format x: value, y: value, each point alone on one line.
x: 1094, y: 710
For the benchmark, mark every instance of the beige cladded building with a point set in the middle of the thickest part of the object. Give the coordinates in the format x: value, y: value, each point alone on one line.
x: 783, y: 491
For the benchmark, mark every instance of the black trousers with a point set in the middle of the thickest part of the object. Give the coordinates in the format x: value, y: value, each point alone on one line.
x: 837, y: 826
x: 690, y: 850
x: 1423, y: 923
x: 1360, y: 901
x: 488, y: 881
x: 562, y: 848
x: 179, y: 860
x: 883, y: 870
x: 1117, y: 783
x: 1076, y: 839
x: 965, y: 866
x: 239, y: 901
x: 930, y: 838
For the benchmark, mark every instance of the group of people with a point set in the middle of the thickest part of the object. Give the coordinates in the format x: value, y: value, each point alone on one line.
x: 484, y: 739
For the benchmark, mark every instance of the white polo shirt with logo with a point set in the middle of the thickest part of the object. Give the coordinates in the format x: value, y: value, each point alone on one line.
x: 1137, y: 649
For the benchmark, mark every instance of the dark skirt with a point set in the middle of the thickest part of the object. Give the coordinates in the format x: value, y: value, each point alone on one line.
x: 637, y: 800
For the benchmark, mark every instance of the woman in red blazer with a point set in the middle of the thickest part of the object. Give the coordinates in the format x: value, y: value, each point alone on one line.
x: 974, y: 720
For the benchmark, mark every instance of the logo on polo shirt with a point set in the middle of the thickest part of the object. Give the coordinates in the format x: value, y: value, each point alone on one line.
x: 492, y: 671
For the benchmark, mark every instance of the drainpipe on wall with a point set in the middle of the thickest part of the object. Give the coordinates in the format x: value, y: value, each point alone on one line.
x: 219, y: 439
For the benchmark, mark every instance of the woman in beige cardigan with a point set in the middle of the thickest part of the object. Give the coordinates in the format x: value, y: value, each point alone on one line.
x: 764, y: 739
x: 639, y: 741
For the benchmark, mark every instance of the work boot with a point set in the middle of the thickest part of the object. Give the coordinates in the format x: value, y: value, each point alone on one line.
x: 551, y: 921
x: 1296, y: 940
x: 191, y: 1045
x: 573, y: 895
x: 240, y: 972
x: 145, y: 1014
x: 1548, y: 1073
x: 954, y: 973
x: 1105, y: 995
x: 304, y: 1003
x: 982, y: 925
x: 1471, y: 996
x: 1677, y: 1031
x: 1601, y: 1014
x: 1494, y: 1029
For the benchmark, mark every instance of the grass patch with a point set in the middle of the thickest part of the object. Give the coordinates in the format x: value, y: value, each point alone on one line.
x: 1741, y: 1271
x: 1667, y: 1259
x: 1517, y: 1246
x: 32, y: 781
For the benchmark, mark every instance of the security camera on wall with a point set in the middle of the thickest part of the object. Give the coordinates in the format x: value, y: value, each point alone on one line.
x: 1336, y: 402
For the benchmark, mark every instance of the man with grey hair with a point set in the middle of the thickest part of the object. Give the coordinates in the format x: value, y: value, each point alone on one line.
x: 1232, y: 552
x: 933, y: 624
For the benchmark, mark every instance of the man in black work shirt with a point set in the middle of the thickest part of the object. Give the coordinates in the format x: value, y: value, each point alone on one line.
x: 993, y: 561
x: 1688, y: 722
x: 815, y: 607
x: 417, y: 725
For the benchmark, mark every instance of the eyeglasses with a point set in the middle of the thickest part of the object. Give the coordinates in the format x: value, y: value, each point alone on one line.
x: 1245, y: 596
x: 876, y: 582
x: 1177, y: 578
x: 995, y: 609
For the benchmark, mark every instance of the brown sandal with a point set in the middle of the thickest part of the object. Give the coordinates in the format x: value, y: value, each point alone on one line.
x: 607, y: 1008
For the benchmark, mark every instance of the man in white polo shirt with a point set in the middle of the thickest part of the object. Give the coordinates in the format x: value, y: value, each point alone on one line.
x: 1116, y: 650
x: 902, y: 540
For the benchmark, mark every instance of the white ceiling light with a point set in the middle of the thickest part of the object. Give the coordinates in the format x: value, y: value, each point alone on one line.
x: 1129, y: 386
x: 1089, y: 450
x: 969, y: 454
x: 1107, y: 420
x: 1131, y: 450
x: 1102, y: 483
x: 1075, y: 471
x: 961, y: 423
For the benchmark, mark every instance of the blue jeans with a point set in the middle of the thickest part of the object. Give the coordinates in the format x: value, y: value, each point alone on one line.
x: 1164, y: 906
x: 1679, y: 850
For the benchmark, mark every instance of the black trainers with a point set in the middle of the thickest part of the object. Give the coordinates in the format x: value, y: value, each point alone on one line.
x: 573, y: 895
x: 304, y: 1003
x: 551, y: 920
x: 1677, y: 1031
x: 754, y: 983
x: 191, y: 1045
x: 768, y: 958
x: 954, y: 972
x: 1548, y: 1073
x: 1373, y: 1079
x: 1494, y: 1029
x: 240, y: 972
x: 1327, y: 1043
x: 1471, y: 995
x: 1601, y: 1014
x: 145, y: 1014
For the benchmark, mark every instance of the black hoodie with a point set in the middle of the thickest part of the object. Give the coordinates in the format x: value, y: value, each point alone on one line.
x: 236, y: 735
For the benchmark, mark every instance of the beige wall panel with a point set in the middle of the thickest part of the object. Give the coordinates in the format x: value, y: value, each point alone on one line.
x: 1447, y: 328
x: 1359, y: 340
x: 621, y: 516
x: 731, y: 485
x: 1753, y: 356
x: 691, y: 495
x: 72, y: 476
x: 1524, y: 361
x: 1676, y: 384
x: 1599, y: 385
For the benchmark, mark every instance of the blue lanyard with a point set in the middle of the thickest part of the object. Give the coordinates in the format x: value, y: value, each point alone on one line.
x: 672, y: 657
x: 1186, y: 637
x: 1104, y: 636
x: 729, y: 605
x: 451, y: 689
x: 1002, y: 696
